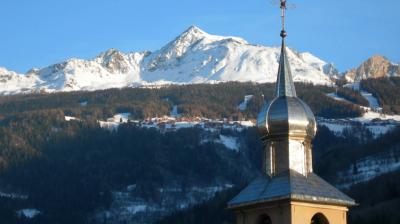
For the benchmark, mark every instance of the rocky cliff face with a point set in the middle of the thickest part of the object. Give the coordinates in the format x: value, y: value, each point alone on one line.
x: 375, y: 67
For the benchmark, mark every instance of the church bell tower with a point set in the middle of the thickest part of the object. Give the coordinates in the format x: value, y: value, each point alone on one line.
x: 288, y: 192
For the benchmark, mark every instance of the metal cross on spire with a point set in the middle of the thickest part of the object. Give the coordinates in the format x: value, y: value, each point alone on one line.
x: 284, y: 6
x: 284, y: 82
x: 283, y: 11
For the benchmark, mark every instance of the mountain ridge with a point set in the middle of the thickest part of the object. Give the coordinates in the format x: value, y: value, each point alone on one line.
x: 377, y: 66
x: 193, y: 57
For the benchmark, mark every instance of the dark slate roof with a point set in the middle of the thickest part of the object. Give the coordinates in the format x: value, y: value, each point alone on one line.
x: 290, y: 185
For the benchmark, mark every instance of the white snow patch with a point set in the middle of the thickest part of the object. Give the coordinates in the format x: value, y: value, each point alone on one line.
x: 243, y: 105
x: 368, y: 168
x: 109, y: 125
x: 371, y: 115
x: 136, y: 208
x: 69, y: 118
x: 246, y: 123
x: 28, y: 213
x: 376, y: 127
x: 185, y: 124
x: 174, y: 112
x: 336, y: 127
x: 378, y: 130
x: 114, y: 122
x: 83, y: 103
x: 131, y: 187
x: 229, y: 142
x: 13, y: 195
x: 373, y: 118
x: 337, y: 97
x: 373, y: 102
x: 355, y: 86
x: 121, y: 118
x: 130, y: 208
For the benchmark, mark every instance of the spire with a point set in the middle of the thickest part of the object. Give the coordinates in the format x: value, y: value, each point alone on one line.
x: 284, y: 81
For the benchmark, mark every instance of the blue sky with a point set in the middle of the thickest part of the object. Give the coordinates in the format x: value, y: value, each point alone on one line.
x: 36, y: 33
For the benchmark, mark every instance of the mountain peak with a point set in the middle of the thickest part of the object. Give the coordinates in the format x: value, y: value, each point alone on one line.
x: 4, y: 71
x: 194, y: 30
x: 178, y: 47
x: 190, y: 36
x: 374, y: 67
x: 194, y: 34
x: 109, y: 53
x: 377, y: 59
x: 114, y: 61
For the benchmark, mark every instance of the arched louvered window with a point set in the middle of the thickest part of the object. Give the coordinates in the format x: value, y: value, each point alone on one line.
x: 264, y: 219
x: 319, y: 218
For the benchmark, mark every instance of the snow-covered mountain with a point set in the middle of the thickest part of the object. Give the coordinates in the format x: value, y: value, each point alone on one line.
x: 11, y: 82
x: 193, y: 57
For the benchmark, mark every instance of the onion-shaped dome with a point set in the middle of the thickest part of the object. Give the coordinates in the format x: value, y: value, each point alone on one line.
x: 286, y: 115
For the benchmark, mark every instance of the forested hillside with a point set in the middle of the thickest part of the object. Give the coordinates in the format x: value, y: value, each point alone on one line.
x: 386, y: 90
x: 211, y: 101
x: 72, y: 171
x: 352, y: 96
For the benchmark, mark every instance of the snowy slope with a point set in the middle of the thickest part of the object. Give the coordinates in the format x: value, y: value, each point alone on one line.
x: 193, y: 57
x: 198, y: 57
x: 12, y: 83
x: 112, y: 69
x: 243, y: 105
x: 368, y: 168
x: 373, y: 119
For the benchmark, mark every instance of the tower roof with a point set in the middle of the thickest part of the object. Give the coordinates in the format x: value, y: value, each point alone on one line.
x: 290, y: 185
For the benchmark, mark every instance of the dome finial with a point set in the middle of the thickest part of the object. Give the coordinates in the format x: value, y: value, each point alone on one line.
x: 283, y: 34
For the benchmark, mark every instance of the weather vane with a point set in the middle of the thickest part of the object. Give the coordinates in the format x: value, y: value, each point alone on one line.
x: 284, y: 6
